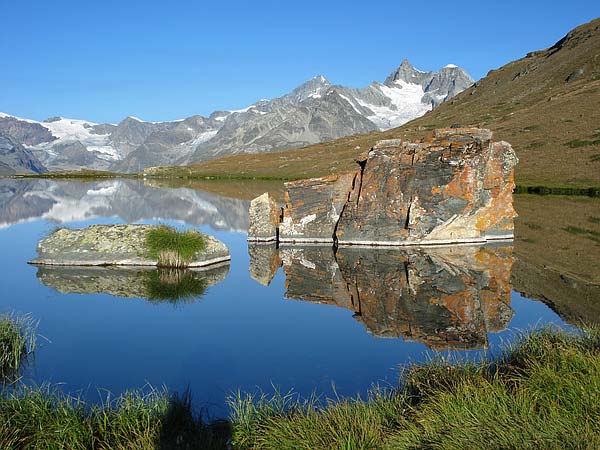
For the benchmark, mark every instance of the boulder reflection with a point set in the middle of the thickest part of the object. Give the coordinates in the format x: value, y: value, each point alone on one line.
x: 176, y: 286
x: 445, y: 297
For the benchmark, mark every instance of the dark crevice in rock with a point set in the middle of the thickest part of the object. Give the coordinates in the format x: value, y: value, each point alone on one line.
x: 362, y: 165
x: 337, y: 222
x: 407, y: 219
x: 335, y: 227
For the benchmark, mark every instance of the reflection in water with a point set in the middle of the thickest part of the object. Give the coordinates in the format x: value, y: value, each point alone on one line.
x: 264, y: 262
x: 129, y: 200
x: 445, y: 297
x: 157, y: 285
x: 315, y: 347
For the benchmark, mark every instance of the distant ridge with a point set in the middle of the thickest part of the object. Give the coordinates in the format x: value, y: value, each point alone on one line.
x: 316, y: 111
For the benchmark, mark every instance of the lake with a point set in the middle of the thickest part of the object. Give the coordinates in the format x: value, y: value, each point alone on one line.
x: 300, y: 318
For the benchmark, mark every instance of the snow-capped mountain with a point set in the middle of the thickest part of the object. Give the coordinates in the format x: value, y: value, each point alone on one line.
x: 315, y: 111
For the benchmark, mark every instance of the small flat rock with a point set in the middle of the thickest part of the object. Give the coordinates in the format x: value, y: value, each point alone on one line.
x: 114, y: 245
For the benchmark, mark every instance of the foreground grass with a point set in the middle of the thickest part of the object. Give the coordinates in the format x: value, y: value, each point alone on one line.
x: 17, y: 340
x: 43, y: 418
x: 173, y: 248
x: 543, y: 393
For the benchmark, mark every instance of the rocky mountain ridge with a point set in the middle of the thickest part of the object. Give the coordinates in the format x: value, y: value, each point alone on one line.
x: 15, y: 158
x: 316, y: 111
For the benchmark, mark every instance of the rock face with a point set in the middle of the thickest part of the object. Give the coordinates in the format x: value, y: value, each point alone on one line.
x: 313, y: 207
x: 264, y: 219
x: 446, y: 297
x: 14, y: 158
x: 455, y: 187
x: 114, y: 245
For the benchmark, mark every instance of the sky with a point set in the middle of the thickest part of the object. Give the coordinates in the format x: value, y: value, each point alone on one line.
x: 102, y: 61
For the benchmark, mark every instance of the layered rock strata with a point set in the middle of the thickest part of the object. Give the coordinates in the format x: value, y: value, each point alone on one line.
x: 455, y: 187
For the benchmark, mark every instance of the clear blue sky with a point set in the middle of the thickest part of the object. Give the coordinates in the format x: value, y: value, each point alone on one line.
x: 104, y: 60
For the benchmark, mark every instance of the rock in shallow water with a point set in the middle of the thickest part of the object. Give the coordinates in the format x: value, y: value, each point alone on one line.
x: 454, y: 187
x: 114, y: 245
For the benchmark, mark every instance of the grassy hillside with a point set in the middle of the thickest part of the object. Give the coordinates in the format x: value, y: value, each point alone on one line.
x: 545, y: 104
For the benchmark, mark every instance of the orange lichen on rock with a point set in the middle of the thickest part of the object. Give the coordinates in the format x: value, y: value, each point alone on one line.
x: 456, y: 186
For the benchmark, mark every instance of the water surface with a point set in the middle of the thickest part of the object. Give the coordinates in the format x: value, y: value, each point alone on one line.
x: 301, y: 318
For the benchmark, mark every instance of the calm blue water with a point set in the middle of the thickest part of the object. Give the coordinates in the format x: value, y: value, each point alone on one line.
x: 238, y: 335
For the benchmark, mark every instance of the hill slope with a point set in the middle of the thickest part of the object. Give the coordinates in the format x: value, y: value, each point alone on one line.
x: 547, y: 105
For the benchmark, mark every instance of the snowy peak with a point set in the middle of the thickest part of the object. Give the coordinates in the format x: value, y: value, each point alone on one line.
x: 407, y: 73
x: 437, y: 86
x: 313, y: 88
x: 448, y: 82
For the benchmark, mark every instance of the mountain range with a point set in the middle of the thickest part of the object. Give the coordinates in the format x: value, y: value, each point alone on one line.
x: 316, y: 111
x: 546, y: 104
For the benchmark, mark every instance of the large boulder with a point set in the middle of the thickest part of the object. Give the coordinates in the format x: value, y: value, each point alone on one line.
x: 454, y: 187
x: 115, y: 245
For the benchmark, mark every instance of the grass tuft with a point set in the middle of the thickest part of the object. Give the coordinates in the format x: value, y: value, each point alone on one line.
x: 17, y: 341
x: 173, y: 248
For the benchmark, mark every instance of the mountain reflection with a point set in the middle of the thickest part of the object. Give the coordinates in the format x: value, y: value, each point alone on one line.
x: 445, y: 297
x: 156, y: 285
x: 130, y: 200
